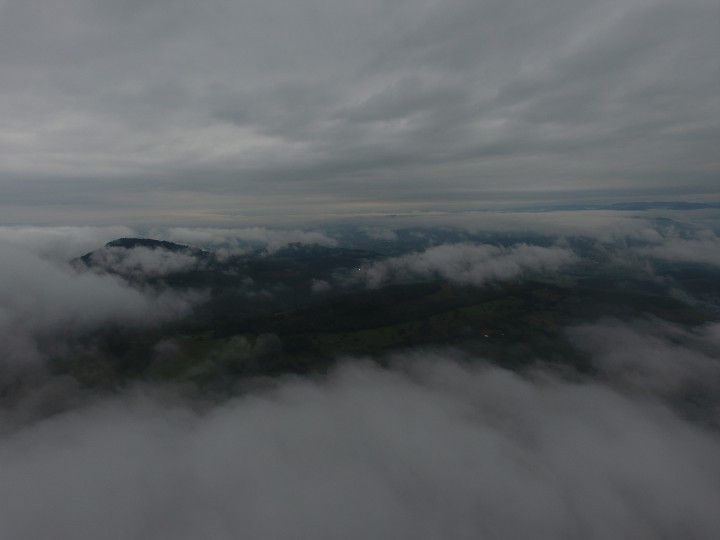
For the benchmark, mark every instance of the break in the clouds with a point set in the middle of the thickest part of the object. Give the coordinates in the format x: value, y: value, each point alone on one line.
x: 206, y: 111
x: 466, y: 264
x: 434, y: 450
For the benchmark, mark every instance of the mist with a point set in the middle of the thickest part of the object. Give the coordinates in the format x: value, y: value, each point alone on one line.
x: 433, y: 448
x: 430, y: 442
x: 390, y: 269
x: 465, y: 264
x: 42, y: 299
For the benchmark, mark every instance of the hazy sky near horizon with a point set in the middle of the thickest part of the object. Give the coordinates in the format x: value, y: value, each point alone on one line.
x: 116, y: 111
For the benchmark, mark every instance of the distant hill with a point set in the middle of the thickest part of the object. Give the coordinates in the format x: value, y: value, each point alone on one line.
x: 151, y: 243
x: 179, y: 265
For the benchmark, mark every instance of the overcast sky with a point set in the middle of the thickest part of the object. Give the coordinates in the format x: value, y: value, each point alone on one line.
x: 186, y: 111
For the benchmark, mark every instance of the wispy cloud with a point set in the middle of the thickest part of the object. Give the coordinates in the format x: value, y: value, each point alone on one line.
x: 468, y: 264
x: 240, y: 239
x: 42, y: 299
x: 704, y: 249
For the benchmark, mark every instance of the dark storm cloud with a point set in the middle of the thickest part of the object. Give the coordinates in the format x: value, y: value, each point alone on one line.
x: 264, y: 97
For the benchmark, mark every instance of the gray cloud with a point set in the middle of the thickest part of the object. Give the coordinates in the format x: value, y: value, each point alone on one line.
x: 142, y: 262
x: 41, y: 299
x: 603, y: 225
x: 469, y: 264
x: 704, y: 249
x: 200, y: 111
x: 656, y: 357
x: 439, y: 446
x: 320, y: 286
x: 240, y: 239
x: 435, y: 450
x: 380, y: 233
x: 61, y: 243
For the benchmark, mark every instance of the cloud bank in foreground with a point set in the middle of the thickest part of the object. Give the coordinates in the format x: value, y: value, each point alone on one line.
x: 435, y: 450
x: 61, y: 243
x: 467, y: 264
x: 438, y: 447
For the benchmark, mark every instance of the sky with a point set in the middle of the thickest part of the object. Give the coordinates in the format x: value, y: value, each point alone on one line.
x: 216, y: 112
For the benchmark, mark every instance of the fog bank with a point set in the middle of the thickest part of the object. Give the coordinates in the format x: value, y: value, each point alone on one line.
x: 432, y: 450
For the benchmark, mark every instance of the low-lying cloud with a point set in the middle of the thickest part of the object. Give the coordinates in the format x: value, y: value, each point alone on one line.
x: 432, y: 450
x: 61, y: 243
x: 704, y: 249
x: 603, y: 225
x: 657, y: 357
x: 40, y: 298
x: 439, y: 446
x: 466, y: 264
x: 141, y: 262
x: 239, y: 240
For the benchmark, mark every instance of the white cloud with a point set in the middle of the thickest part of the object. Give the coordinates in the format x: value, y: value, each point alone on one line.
x: 436, y: 451
x: 703, y: 249
x: 380, y: 233
x: 143, y: 262
x: 470, y: 264
x: 61, y: 243
x: 40, y: 298
x: 238, y: 240
x: 656, y: 357
x: 320, y: 286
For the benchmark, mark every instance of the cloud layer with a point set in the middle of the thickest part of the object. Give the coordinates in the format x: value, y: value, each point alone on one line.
x: 206, y: 111
x: 704, y: 249
x: 241, y: 239
x: 439, y: 446
x: 436, y: 450
x: 61, y: 244
x: 140, y: 262
x: 41, y: 298
x: 467, y: 264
